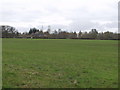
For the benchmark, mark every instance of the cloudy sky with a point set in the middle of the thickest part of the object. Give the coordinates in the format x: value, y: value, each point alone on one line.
x: 70, y: 15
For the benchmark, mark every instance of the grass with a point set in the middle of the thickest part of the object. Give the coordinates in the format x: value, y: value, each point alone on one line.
x: 55, y: 63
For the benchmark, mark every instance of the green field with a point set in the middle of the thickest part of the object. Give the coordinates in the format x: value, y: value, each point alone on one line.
x: 55, y: 63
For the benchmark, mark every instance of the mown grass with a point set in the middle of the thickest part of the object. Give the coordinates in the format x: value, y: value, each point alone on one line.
x: 54, y: 63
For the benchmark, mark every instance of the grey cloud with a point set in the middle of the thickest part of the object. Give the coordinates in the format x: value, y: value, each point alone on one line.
x: 112, y: 25
x: 81, y: 16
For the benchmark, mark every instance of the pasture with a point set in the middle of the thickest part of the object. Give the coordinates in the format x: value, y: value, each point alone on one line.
x: 59, y: 63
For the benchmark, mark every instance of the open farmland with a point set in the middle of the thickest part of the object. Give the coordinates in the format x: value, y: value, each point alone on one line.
x: 65, y: 63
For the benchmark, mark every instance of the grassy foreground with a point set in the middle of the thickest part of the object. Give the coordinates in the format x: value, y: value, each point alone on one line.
x: 39, y: 63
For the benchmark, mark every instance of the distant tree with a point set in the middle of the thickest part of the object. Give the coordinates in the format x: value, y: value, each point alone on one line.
x: 30, y: 31
x: 100, y: 36
x: 74, y: 35
x: 63, y: 35
x: 93, y: 34
x: 80, y: 34
x: 8, y: 31
x: 85, y: 35
x: 108, y: 35
x: 49, y: 29
x: 11, y: 32
x: 41, y: 33
x: 116, y: 36
x: 55, y: 34
x: 59, y: 30
x: 33, y: 30
x: 46, y: 34
x: 59, y: 33
x: 70, y: 35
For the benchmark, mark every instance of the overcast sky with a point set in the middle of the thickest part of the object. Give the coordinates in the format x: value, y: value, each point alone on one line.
x: 70, y: 15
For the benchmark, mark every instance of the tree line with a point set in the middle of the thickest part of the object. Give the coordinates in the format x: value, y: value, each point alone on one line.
x: 11, y: 32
